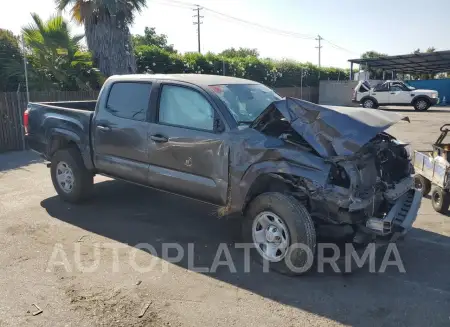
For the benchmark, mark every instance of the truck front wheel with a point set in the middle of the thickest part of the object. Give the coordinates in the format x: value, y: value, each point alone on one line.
x: 282, y: 233
x: 71, y: 179
x: 421, y: 104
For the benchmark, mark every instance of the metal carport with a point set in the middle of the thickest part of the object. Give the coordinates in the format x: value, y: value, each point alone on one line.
x: 427, y: 63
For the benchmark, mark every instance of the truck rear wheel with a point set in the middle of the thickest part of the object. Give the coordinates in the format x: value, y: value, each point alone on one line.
x: 422, y: 184
x: 282, y: 233
x: 440, y: 199
x: 72, y: 181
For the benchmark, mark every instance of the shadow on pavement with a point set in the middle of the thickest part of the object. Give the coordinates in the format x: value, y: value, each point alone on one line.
x: 401, y: 110
x: 131, y: 214
x: 18, y: 159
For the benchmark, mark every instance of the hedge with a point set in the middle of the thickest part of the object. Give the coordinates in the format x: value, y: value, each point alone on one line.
x: 152, y: 59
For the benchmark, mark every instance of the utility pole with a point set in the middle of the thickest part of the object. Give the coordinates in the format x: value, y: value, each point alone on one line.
x: 198, y: 22
x: 319, y: 38
x: 25, y: 68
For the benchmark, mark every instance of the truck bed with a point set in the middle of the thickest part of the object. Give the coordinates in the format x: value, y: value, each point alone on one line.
x: 78, y: 105
x: 433, y: 169
x: 48, y: 120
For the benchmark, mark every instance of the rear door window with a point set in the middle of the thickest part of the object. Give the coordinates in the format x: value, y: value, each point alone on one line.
x: 382, y: 87
x: 129, y: 100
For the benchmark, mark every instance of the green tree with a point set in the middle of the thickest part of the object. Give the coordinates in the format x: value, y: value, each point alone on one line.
x: 429, y: 50
x: 11, y: 62
x: 150, y: 37
x: 55, y: 57
x: 241, y: 53
x: 374, y: 73
x: 106, y: 25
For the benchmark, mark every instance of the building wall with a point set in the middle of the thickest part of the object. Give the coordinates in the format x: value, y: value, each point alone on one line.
x: 338, y: 93
x: 440, y: 85
x: 307, y: 93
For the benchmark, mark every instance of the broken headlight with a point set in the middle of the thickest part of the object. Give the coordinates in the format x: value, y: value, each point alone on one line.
x: 339, y: 177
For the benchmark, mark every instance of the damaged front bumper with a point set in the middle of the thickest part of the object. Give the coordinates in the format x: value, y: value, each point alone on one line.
x: 399, y: 220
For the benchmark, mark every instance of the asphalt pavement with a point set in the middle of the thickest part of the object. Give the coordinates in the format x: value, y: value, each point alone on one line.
x: 78, y: 263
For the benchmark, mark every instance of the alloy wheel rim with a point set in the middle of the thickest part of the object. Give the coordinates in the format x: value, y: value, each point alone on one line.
x: 369, y: 104
x: 422, y: 105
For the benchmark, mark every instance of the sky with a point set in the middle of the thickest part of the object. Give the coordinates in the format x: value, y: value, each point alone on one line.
x: 352, y: 26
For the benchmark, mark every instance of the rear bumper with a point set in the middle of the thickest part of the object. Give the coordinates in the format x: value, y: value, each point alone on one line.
x: 36, y: 145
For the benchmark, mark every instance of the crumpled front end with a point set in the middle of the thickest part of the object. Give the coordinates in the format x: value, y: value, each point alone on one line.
x: 374, y: 190
x: 364, y: 180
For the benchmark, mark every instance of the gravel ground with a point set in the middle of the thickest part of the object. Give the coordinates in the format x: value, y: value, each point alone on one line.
x: 103, y: 237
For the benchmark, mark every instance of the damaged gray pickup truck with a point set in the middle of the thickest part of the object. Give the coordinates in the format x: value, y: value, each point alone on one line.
x: 293, y: 169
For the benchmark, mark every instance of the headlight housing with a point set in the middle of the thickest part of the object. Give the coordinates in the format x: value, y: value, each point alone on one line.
x: 434, y: 95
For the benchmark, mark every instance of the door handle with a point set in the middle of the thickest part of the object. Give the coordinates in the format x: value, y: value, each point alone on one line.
x: 159, y: 138
x: 104, y: 128
x: 392, y: 92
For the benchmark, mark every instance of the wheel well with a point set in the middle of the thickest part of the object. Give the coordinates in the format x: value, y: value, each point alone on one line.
x: 369, y: 97
x: 269, y: 183
x: 58, y: 143
x: 421, y: 97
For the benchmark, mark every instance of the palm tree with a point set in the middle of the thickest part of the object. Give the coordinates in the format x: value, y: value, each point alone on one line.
x: 56, y: 57
x: 106, y: 29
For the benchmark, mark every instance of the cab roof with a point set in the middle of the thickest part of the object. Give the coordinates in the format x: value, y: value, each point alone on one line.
x: 197, y: 79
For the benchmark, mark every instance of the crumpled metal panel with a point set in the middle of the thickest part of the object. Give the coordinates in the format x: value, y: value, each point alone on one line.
x: 334, y: 131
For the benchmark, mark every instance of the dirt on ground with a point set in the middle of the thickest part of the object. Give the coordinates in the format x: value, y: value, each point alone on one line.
x: 91, y: 264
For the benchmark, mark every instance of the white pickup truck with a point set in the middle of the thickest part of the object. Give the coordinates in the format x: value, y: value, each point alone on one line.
x: 394, y: 93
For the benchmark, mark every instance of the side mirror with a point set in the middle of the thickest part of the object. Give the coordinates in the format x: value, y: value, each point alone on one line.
x: 219, y: 127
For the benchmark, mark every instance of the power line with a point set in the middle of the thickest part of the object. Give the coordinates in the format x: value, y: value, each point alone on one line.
x: 198, y: 23
x: 181, y: 4
x: 264, y: 27
x: 226, y: 17
x: 174, y: 3
x: 339, y: 47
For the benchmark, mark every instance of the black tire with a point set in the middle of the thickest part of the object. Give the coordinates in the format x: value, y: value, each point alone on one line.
x: 83, y: 178
x: 422, y: 184
x: 369, y: 103
x: 440, y: 199
x: 421, y: 104
x: 300, y: 229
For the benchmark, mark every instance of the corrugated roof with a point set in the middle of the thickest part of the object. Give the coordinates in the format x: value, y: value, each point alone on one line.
x: 432, y: 62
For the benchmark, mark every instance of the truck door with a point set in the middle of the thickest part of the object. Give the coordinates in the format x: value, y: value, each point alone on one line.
x: 120, y: 129
x: 187, y: 153
x: 399, y: 95
x: 381, y: 93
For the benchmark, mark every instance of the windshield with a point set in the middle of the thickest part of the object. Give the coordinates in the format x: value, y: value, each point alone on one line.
x: 405, y: 86
x: 245, y: 101
x: 410, y: 87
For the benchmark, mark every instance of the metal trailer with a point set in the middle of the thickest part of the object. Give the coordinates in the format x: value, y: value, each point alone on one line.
x: 432, y: 170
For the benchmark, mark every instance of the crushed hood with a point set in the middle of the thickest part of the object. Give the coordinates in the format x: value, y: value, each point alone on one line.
x: 331, y: 131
